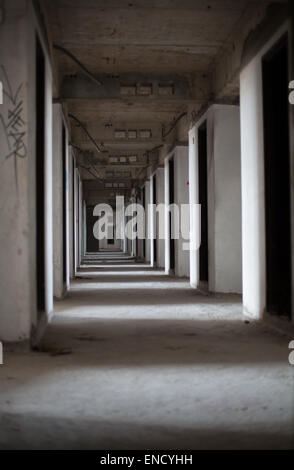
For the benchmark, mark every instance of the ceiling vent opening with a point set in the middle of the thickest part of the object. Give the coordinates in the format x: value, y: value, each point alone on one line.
x: 119, y: 134
x: 145, y: 133
x: 166, y: 90
x: 128, y: 90
x: 145, y: 89
x: 132, y: 134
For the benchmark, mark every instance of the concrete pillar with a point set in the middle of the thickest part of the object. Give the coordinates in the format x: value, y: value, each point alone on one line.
x: 181, y: 166
x: 166, y: 218
x: 194, y: 200
x: 84, y: 228
x: 80, y: 221
x: 160, y: 200
x: 224, y: 198
x: 71, y: 210
x: 151, y: 219
x: 253, y: 186
x: 58, y: 183
x: 76, y: 219
x: 147, y: 218
x: 140, y: 253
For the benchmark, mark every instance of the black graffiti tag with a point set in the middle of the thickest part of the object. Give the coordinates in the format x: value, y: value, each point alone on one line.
x: 12, y: 122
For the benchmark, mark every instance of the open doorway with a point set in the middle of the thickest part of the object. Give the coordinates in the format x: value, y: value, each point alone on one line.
x: 40, y: 176
x: 202, y: 172
x: 277, y: 179
x: 92, y: 244
x: 171, y: 221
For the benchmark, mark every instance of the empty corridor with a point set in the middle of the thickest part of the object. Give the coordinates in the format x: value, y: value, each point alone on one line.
x: 135, y: 359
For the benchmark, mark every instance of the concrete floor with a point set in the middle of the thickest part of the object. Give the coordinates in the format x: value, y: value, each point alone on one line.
x: 135, y: 359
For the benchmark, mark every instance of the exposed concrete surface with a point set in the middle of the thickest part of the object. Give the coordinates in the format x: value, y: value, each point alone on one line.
x: 151, y: 364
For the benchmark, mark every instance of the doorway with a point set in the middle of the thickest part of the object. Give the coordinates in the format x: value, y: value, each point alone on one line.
x: 203, y: 201
x: 40, y: 177
x: 277, y: 179
x: 92, y: 245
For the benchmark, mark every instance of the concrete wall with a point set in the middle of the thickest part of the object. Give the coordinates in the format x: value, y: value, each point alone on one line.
x: 151, y: 220
x: 59, y: 285
x: 18, y: 316
x: 253, y: 187
x: 147, y: 222
x: 71, y: 211
x: 181, y: 166
x: 224, y: 198
x: 140, y: 241
x: 181, y: 196
x: 166, y: 217
x: 160, y: 200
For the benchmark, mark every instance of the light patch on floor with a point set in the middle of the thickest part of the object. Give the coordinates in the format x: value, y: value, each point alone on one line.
x: 143, y: 361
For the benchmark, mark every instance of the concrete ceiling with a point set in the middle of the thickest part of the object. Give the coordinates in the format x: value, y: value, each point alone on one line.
x: 114, y: 37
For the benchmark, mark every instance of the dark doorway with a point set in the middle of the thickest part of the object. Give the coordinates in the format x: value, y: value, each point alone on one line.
x: 171, y: 218
x: 92, y: 245
x: 202, y: 174
x: 277, y: 179
x: 64, y: 189
x: 40, y: 177
x: 154, y: 198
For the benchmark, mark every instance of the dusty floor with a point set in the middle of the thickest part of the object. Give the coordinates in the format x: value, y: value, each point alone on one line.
x: 147, y: 363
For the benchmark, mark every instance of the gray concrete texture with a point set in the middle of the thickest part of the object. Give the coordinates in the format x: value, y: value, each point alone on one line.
x: 135, y: 359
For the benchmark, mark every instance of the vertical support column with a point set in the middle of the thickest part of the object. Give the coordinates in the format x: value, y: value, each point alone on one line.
x: 80, y: 221
x: 71, y: 210
x: 181, y: 163
x: 76, y: 219
x: 57, y: 202
x: 166, y: 218
x: 193, y: 200
x: 67, y: 208
x: 252, y: 165
x: 84, y: 228
x: 161, y: 217
x: 151, y: 220
x: 147, y: 223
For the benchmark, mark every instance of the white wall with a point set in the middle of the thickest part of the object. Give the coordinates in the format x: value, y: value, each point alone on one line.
x: 59, y: 286
x: 147, y: 221
x: 181, y: 167
x: 253, y: 188
x: 194, y: 200
x: 160, y: 200
x: 224, y: 198
x: 71, y: 211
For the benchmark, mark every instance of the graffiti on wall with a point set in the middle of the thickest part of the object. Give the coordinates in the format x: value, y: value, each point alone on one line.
x: 12, y: 124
